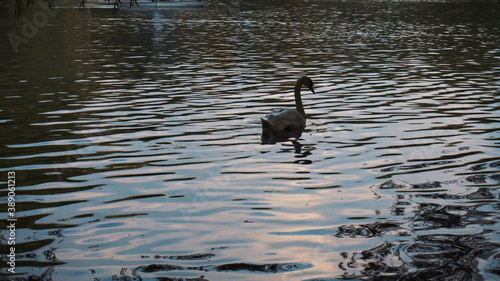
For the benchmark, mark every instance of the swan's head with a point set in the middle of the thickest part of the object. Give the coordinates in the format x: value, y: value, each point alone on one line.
x: 304, y: 80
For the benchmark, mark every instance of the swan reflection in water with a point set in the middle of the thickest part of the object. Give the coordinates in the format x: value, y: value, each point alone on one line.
x: 270, y: 137
x: 282, y: 124
x: 300, y: 150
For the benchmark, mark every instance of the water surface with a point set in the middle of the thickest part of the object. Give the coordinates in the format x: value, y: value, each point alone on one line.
x: 136, y: 142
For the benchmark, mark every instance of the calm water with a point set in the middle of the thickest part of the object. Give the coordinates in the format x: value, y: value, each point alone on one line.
x: 136, y: 142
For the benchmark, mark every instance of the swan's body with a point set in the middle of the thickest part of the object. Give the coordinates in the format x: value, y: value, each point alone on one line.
x: 284, y: 120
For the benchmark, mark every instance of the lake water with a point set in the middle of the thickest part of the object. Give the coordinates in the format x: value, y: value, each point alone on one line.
x: 135, y: 140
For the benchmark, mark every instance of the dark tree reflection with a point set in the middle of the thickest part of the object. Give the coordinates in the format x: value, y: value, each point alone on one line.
x: 455, y: 236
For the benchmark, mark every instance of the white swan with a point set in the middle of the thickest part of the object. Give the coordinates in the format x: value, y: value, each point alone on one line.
x: 282, y: 120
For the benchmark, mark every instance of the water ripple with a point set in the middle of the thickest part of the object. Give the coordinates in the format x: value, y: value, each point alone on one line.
x: 140, y: 156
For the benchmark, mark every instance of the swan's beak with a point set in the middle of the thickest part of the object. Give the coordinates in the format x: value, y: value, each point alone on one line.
x: 312, y: 89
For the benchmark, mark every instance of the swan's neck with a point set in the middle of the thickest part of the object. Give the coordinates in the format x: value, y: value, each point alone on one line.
x: 298, y: 100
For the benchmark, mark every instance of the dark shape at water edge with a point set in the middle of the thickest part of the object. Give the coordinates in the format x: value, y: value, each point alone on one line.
x: 443, y: 247
x: 399, y: 184
x: 434, y: 257
x: 264, y: 268
x: 368, y: 230
x: 159, y: 267
x: 198, y: 256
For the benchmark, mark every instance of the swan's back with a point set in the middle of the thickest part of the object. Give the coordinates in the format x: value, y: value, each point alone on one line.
x: 283, y: 120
